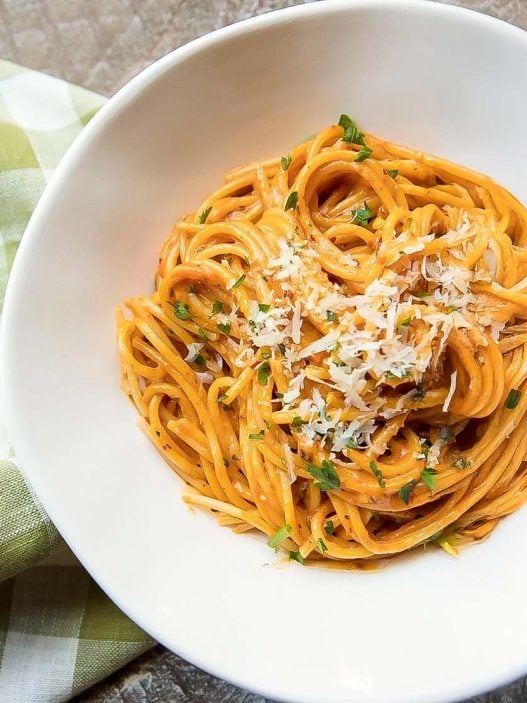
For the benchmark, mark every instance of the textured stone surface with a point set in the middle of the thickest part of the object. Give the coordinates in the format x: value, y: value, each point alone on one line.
x: 100, y: 44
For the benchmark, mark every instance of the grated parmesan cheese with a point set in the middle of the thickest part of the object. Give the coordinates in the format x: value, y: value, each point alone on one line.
x: 193, y: 350
x: 448, y: 399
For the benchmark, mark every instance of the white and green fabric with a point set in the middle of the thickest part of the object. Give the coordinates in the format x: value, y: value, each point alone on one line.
x: 59, y: 633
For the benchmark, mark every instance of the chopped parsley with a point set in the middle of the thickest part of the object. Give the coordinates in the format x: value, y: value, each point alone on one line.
x: 462, y: 463
x: 329, y: 527
x: 276, y: 540
x: 353, y: 444
x: 321, y: 545
x: 423, y: 294
x: 181, y: 310
x: 264, y: 371
x: 331, y: 316
x: 202, y: 334
x: 406, y: 491
x: 285, y: 162
x: 259, y: 435
x: 292, y: 201
x: 428, y: 477
x: 263, y: 307
x: 266, y: 355
x: 203, y: 215
x: 200, y: 361
x: 393, y: 173
x: 378, y: 474
x: 296, y: 556
x: 419, y: 393
x: 405, y: 322
x: 224, y: 327
x: 425, y: 446
x: 217, y: 306
x: 513, y: 399
x: 363, y: 154
x: 352, y: 134
x: 298, y: 422
x: 362, y: 216
x: 158, y: 433
x: 326, y: 474
x: 239, y: 281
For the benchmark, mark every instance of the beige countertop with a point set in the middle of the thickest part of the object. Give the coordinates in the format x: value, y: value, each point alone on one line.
x: 100, y: 44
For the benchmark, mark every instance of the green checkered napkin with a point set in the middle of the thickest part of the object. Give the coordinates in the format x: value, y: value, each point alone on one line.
x: 59, y: 633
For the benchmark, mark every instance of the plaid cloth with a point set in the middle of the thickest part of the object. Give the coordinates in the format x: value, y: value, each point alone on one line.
x: 59, y: 633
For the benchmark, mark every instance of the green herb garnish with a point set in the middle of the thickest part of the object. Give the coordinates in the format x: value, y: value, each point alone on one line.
x: 462, y: 463
x: 405, y: 322
x: 298, y: 422
x: 285, y: 162
x: 428, y: 477
x: 217, y: 306
x: 276, y: 540
x: 513, y: 399
x: 264, y: 371
x: 202, y: 334
x: 321, y: 545
x: 326, y: 474
x: 352, y: 134
x: 329, y: 527
x: 263, y: 307
x: 419, y: 393
x: 406, y: 491
x: 296, y: 556
x: 378, y: 474
x: 362, y: 216
x: 238, y: 282
x: 292, y: 201
x: 331, y: 316
x: 203, y: 215
x: 259, y: 435
x: 224, y: 327
x: 363, y: 154
x: 425, y: 446
x: 181, y: 310
x: 200, y: 361
x: 393, y: 173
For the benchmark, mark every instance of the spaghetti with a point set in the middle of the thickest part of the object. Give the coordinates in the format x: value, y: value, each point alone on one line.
x: 335, y: 353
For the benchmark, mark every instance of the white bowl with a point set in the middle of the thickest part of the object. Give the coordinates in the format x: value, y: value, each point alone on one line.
x: 428, y: 629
